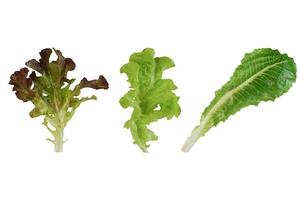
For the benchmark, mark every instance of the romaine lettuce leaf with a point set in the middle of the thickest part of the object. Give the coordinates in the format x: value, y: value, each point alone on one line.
x: 263, y: 75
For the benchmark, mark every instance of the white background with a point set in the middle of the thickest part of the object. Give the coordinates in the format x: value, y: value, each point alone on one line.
x: 254, y: 155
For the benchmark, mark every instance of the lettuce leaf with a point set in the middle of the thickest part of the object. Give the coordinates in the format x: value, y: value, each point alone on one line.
x: 150, y: 96
x: 50, y: 92
x: 263, y: 75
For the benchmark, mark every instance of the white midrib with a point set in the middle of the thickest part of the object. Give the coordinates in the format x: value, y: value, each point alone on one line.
x: 198, y: 131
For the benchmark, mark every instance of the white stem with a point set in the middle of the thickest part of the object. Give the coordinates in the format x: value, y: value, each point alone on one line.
x: 58, y: 146
x: 199, y: 131
x: 59, y: 141
x: 196, y: 134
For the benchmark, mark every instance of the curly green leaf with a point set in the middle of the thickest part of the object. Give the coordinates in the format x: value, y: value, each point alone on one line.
x: 151, y: 97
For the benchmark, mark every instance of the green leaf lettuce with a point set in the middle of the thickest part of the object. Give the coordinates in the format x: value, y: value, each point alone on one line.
x: 150, y: 96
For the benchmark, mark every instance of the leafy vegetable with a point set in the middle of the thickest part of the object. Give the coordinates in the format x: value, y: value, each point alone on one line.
x: 263, y: 75
x: 50, y: 92
x: 151, y: 97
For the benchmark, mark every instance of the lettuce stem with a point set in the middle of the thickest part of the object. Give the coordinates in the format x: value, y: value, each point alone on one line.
x: 197, y: 132
x: 59, y: 141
